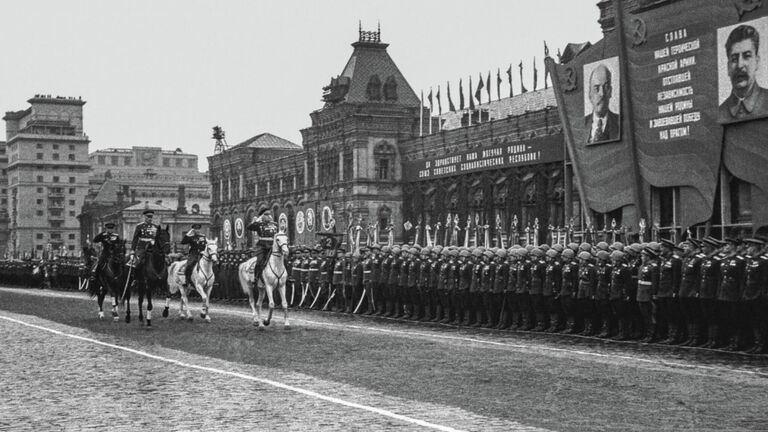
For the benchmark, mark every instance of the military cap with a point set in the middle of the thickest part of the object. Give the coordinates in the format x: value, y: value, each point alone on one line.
x: 529, y: 247
x: 603, y: 246
x: 628, y: 250
x: 489, y: 253
x: 148, y: 212
x: 558, y: 247
x: 711, y: 241
x: 617, y: 254
x: 617, y: 246
x: 650, y: 252
x: 694, y: 242
x: 754, y: 241
x: 568, y: 253
x: 396, y: 249
x: 196, y: 226
x: 109, y: 225
x: 552, y: 253
x: 501, y: 253
x: 573, y: 246
x: 476, y: 252
x: 464, y: 253
x: 544, y: 247
x: 733, y: 241
x: 522, y: 252
x: 537, y: 252
x: 585, y: 247
x: 585, y: 255
x: 603, y: 255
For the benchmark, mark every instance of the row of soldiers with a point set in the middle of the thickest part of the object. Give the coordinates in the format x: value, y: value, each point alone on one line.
x: 707, y: 293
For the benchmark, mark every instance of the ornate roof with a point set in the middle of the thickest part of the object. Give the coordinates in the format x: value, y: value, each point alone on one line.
x: 267, y: 141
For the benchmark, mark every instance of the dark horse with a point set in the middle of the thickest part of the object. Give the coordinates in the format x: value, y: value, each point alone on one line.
x: 152, y: 275
x: 110, y: 279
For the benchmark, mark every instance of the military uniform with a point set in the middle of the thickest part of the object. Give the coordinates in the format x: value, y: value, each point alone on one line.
x: 647, y: 286
x: 602, y: 303
x: 689, y: 297
x: 553, y: 278
x: 710, y: 273
x: 488, y: 273
x: 500, y: 278
x: 619, y: 295
x: 667, y: 305
x: 143, y: 236
x: 585, y: 294
x: 755, y: 298
x: 423, y: 284
x: 522, y: 319
x: 197, y: 244
x: 265, y: 229
x: 538, y: 275
x: 729, y: 294
x: 570, y: 273
x: 111, y: 247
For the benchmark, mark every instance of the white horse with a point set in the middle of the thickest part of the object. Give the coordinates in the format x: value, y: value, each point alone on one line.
x: 202, y: 279
x: 273, y: 276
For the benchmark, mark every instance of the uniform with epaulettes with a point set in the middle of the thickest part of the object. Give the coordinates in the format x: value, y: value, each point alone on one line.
x: 667, y: 308
x: 553, y: 278
x: 709, y: 279
x: 618, y: 295
x: 488, y: 273
x: 602, y: 295
x: 414, y: 308
x: 356, y: 286
x: 434, y: 283
x: 401, y: 292
x: 509, y: 303
x: 522, y: 319
x: 446, y: 284
x: 585, y: 292
x: 370, y: 272
x: 647, y: 286
x: 690, y: 278
x: 538, y: 274
x: 381, y: 295
x: 468, y: 289
x: 732, y: 272
x: 422, y: 282
x: 755, y: 296
x: 568, y: 287
x: 392, y: 282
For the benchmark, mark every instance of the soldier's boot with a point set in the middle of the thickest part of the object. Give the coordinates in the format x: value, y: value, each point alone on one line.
x: 711, y: 337
x: 529, y: 321
x: 734, y: 343
x: 759, y: 347
x: 504, y: 320
x: 427, y: 313
x: 621, y: 331
x: 541, y: 325
x: 671, y: 338
x: 446, y: 315
x: 438, y: 314
x: 463, y: 317
x: 650, y: 331
x: 399, y: 313
x: 490, y: 320
x: 693, y: 330
x: 554, y: 324
x: 570, y: 326
x: 514, y: 320
x: 605, y: 329
x: 389, y: 309
x: 475, y: 318
x: 407, y: 310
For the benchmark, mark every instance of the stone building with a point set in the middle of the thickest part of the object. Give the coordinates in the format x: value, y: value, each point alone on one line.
x: 48, y: 172
x: 125, y: 182
x: 363, y: 162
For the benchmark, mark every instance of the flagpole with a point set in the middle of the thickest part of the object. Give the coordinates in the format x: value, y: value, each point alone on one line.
x: 429, y: 119
x: 421, y: 115
x: 439, y: 110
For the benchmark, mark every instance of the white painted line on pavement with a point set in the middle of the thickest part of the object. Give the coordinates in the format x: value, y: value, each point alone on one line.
x: 413, y: 334
x: 309, y: 393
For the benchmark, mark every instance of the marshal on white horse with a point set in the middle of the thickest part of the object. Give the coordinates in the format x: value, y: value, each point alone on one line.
x: 202, y: 280
x: 274, y: 276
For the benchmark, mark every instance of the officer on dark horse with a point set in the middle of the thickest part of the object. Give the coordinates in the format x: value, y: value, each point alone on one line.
x: 266, y: 228
x: 106, y: 274
x: 148, y: 257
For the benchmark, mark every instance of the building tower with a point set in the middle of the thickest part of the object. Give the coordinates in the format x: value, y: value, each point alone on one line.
x: 47, y: 174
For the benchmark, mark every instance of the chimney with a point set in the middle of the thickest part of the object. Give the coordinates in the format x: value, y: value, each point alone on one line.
x: 133, y: 196
x: 182, y: 206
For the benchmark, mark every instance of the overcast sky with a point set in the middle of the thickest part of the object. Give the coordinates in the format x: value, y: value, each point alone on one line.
x: 162, y: 73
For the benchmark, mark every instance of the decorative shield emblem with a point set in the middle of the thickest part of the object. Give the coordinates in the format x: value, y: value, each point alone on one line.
x: 328, y: 221
x: 300, y: 222
x: 227, y: 229
x: 282, y: 223
x: 310, y: 220
x: 239, y: 228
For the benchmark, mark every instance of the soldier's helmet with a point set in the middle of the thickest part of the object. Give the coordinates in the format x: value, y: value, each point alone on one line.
x: 603, y: 246
x: 552, y: 253
x: 617, y: 255
x: 537, y: 252
x: 501, y: 253
x: 603, y: 255
x: 568, y: 253
x: 584, y: 255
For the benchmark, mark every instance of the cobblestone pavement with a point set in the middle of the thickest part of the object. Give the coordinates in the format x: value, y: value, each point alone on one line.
x: 65, y: 378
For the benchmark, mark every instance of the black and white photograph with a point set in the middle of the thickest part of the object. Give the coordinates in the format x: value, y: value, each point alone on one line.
x: 383, y: 216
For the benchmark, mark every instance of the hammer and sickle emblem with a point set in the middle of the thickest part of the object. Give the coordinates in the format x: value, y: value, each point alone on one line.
x: 639, y: 32
x: 570, y: 79
x: 744, y: 6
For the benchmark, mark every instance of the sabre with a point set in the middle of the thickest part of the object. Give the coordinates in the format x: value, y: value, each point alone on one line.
x: 362, y: 297
x: 127, y: 281
x: 330, y: 297
x: 303, y: 294
x: 80, y: 283
x: 293, y: 288
x: 319, y: 290
x: 86, y: 284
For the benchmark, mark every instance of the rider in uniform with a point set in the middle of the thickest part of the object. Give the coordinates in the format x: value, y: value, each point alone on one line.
x: 197, y: 244
x: 143, y: 236
x: 265, y: 228
x: 110, y: 243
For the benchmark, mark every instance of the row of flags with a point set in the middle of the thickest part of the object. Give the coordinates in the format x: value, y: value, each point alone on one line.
x: 477, y: 95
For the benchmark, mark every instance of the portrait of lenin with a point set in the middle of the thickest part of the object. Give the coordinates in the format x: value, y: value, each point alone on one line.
x: 602, y: 123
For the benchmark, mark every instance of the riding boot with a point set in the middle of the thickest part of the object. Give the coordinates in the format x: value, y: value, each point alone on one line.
x: 554, y: 324
x: 490, y: 319
x: 474, y: 319
x: 621, y: 331
x: 427, y: 313
x: 693, y: 331
x: 759, y: 347
x: 389, y: 309
x: 733, y: 343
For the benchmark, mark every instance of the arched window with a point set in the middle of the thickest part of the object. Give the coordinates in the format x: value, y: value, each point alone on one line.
x: 373, y: 91
x: 390, y: 89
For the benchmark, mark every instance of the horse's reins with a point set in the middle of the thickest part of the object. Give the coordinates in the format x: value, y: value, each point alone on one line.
x: 209, y: 257
x: 269, y: 264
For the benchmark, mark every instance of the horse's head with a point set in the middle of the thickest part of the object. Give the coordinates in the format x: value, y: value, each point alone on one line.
x: 280, y: 244
x: 163, y: 240
x: 212, y: 250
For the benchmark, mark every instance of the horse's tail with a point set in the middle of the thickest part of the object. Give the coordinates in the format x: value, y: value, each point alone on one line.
x: 173, y: 286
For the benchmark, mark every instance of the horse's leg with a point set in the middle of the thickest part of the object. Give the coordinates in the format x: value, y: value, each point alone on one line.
x: 100, y: 299
x: 142, y: 287
x: 184, y: 304
x: 204, y: 312
x: 208, y: 298
x: 247, y: 287
x: 271, y: 299
x: 128, y: 303
x: 259, y: 302
x: 150, y: 287
x: 285, y: 305
x: 115, y: 314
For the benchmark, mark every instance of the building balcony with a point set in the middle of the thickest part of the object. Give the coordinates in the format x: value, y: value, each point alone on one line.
x: 56, y: 217
x: 56, y: 206
x: 55, y: 194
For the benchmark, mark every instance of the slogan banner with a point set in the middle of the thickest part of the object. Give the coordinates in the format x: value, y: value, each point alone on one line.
x: 672, y: 54
x: 535, y: 151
